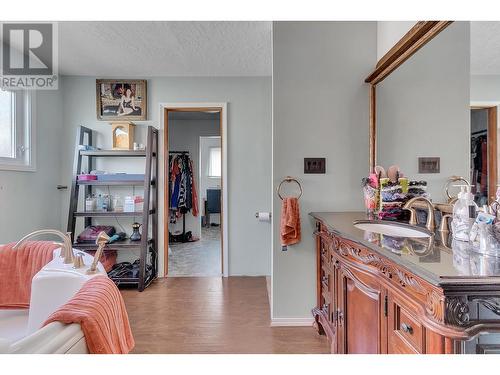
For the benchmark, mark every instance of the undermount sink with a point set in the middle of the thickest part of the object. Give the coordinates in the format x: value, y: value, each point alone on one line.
x: 392, y: 228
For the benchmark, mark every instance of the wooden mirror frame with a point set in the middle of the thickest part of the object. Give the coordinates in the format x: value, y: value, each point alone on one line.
x: 417, y: 37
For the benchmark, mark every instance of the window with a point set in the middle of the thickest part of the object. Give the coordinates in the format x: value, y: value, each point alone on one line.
x: 16, y: 131
x: 214, y: 166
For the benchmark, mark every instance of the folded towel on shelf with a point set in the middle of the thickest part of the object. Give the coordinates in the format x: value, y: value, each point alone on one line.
x: 17, y: 269
x: 290, y: 221
x: 99, y: 308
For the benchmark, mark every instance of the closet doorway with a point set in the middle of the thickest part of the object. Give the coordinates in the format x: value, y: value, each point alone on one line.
x: 195, y: 231
x: 483, y: 143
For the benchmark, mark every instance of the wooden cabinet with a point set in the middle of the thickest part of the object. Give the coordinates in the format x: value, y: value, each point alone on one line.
x: 359, y: 329
x: 406, y: 335
x: 367, y: 303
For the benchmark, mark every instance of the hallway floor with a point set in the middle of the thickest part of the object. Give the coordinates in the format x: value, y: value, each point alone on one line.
x: 212, y: 315
x: 199, y: 258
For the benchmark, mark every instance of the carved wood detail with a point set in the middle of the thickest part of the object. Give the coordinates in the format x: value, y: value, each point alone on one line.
x: 434, y: 302
x: 457, y: 311
x: 366, y: 289
x: 385, y: 267
x: 434, y: 306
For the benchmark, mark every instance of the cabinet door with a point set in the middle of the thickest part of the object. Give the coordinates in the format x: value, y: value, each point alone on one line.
x: 333, y: 314
x: 361, y: 320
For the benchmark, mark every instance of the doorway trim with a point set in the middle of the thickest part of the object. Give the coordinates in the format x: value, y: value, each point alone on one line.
x: 193, y: 107
x: 493, y: 123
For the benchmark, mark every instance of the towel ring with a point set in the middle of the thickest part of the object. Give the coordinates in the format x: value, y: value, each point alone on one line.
x: 449, y: 182
x: 289, y: 179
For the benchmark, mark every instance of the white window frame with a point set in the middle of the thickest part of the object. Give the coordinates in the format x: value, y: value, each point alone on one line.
x: 210, y: 175
x: 24, y: 134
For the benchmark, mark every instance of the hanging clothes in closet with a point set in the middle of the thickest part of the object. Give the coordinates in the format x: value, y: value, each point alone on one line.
x: 479, y: 167
x: 182, y: 187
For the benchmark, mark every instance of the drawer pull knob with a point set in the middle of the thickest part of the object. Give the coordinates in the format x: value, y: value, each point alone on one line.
x: 406, y: 328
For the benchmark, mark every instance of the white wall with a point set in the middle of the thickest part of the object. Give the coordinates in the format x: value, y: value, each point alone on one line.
x: 485, y: 91
x: 29, y: 200
x: 389, y: 33
x: 320, y: 110
x: 206, y: 182
x: 249, y: 150
x: 485, y: 88
x: 423, y: 110
x: 184, y: 135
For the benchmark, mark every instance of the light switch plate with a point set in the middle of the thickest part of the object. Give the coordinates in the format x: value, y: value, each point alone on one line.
x: 429, y: 165
x: 314, y: 165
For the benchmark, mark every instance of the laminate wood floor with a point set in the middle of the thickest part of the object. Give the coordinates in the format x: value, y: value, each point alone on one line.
x: 212, y: 315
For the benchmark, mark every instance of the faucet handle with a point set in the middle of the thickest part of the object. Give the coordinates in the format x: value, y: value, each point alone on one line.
x: 101, y: 241
x: 413, y: 215
x: 443, y: 227
x: 78, y: 263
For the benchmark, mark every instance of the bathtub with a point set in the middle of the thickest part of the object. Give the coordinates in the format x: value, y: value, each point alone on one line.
x: 55, y: 284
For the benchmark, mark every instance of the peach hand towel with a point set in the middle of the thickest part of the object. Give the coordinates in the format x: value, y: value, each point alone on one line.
x: 99, y: 308
x: 290, y: 221
x: 17, y: 269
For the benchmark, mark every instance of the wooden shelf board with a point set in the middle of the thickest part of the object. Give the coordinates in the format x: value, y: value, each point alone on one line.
x: 110, y: 214
x: 112, y: 153
x: 112, y: 183
x: 126, y: 244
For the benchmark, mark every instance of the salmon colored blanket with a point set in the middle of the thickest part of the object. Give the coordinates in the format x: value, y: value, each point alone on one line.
x: 290, y: 221
x: 17, y: 269
x: 99, y: 308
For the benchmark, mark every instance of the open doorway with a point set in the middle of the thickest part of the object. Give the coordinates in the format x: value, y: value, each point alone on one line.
x: 483, y: 171
x: 193, y: 198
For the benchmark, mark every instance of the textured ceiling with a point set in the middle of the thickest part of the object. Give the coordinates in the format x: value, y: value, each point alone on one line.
x: 485, y: 47
x: 147, y: 49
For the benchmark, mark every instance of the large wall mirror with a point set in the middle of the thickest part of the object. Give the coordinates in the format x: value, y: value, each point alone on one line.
x: 434, y: 110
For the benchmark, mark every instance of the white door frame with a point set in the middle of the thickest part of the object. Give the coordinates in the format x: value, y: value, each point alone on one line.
x: 161, y: 187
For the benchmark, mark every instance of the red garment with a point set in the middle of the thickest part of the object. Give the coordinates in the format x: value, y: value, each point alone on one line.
x: 194, y: 194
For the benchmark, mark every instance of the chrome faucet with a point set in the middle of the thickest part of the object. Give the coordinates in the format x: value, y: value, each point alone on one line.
x: 430, y: 225
x: 66, y: 249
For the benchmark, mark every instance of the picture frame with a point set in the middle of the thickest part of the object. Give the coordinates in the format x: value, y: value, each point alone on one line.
x: 121, y: 100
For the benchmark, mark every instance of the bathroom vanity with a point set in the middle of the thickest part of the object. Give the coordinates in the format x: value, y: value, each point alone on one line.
x: 379, y: 293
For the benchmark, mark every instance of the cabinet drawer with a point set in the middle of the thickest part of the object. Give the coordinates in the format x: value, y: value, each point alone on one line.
x: 406, y: 333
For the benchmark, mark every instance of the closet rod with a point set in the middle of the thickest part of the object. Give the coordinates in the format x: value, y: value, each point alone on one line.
x: 480, y: 132
x: 178, y: 152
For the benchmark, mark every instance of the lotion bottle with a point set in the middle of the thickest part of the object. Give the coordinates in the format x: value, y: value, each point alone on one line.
x: 464, y: 214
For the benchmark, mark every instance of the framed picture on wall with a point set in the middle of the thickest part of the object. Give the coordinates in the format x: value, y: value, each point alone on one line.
x: 121, y: 99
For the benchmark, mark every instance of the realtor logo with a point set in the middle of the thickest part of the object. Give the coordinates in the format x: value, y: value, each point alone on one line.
x: 29, y: 58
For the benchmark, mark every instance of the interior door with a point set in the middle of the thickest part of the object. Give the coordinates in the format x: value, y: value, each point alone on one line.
x: 361, y: 320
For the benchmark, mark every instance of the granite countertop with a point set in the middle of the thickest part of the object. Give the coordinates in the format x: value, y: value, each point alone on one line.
x: 440, y: 261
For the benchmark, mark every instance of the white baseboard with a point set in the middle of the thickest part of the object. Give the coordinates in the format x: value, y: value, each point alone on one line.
x: 292, y: 322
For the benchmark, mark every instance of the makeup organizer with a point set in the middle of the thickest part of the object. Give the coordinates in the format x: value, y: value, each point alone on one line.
x: 386, y: 194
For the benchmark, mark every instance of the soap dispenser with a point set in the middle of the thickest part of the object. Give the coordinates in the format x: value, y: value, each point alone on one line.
x: 464, y: 214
